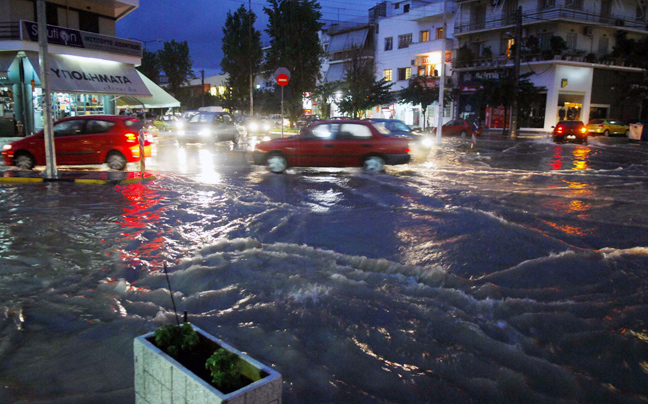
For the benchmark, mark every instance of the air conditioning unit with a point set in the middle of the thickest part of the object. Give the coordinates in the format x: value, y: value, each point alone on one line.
x: 587, y: 30
x: 413, y: 62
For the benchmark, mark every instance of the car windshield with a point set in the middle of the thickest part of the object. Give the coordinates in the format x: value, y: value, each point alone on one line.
x: 189, y: 114
x: 399, y: 125
x: 382, y: 129
x: 595, y: 121
x: 203, y: 117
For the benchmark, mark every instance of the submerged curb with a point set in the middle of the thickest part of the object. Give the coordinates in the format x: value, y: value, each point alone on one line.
x: 81, y: 177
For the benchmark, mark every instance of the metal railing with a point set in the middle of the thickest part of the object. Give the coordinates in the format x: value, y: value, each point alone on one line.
x: 553, y: 14
x: 9, y: 30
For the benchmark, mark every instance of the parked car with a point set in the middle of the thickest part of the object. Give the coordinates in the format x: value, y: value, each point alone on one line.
x: 607, y: 127
x: 421, y: 145
x: 86, y: 139
x: 166, y: 122
x: 334, y: 144
x: 461, y: 127
x: 570, y: 131
x: 208, y: 127
x: 255, y: 126
x: 275, y: 120
x: 306, y: 120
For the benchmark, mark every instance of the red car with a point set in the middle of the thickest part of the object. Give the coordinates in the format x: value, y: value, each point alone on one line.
x: 335, y: 144
x: 460, y: 127
x: 89, y: 139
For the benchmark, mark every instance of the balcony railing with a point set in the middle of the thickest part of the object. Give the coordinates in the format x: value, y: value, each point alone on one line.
x: 553, y: 14
x: 497, y: 62
x: 9, y: 30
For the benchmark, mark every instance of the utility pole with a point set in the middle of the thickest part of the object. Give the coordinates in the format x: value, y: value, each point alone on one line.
x: 250, y: 58
x: 202, y: 81
x: 516, y: 73
x: 51, y: 171
x: 442, y: 78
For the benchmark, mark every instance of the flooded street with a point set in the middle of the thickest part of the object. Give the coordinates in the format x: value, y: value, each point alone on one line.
x: 515, y: 274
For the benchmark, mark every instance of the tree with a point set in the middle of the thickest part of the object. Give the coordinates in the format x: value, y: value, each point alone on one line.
x: 360, y: 88
x: 293, y: 27
x: 323, y: 95
x: 242, y: 54
x: 150, y: 66
x: 176, y: 63
x: 419, y: 92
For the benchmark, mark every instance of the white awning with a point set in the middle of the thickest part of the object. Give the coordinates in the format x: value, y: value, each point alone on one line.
x: 348, y: 40
x: 74, y: 74
x: 159, y: 98
x: 335, y: 72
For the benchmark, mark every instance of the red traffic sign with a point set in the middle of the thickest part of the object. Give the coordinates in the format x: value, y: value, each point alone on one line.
x: 282, y: 80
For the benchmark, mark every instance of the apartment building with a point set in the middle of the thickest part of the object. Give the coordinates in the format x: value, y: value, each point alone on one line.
x: 409, y: 43
x: 91, y: 70
x: 566, y: 45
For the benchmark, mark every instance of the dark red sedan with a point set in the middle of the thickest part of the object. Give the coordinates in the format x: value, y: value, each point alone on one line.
x: 335, y: 144
x: 89, y: 139
x: 461, y: 127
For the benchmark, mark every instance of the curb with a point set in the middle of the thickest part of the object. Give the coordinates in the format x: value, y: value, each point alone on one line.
x: 98, y: 178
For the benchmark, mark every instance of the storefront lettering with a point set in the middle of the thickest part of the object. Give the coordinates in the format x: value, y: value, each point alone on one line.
x: 55, y: 33
x: 101, y: 78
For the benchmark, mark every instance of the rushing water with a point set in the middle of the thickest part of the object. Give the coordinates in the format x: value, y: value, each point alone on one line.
x: 517, y: 274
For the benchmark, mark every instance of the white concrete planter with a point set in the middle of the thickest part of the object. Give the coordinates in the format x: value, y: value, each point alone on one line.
x: 160, y: 379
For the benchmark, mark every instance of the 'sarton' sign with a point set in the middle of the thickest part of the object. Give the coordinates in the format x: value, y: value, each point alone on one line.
x: 81, y: 39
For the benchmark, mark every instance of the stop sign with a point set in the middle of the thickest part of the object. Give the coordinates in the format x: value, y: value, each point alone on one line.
x: 282, y: 79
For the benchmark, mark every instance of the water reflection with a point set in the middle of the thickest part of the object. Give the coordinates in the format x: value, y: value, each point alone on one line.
x: 580, y: 156
x: 199, y: 160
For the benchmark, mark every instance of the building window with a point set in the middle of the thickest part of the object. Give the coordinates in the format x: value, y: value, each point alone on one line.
x: 404, y: 41
x: 424, y: 36
x: 603, y: 45
x: 574, y: 4
x: 387, y: 74
x: 396, y: 6
x: 406, y: 8
x: 439, y: 33
x: 571, y: 41
x: 404, y: 73
x: 88, y: 21
x: 544, y: 4
x: 544, y: 41
x: 389, y: 43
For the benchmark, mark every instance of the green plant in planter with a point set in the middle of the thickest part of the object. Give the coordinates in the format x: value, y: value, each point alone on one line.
x: 175, y: 339
x: 225, y: 369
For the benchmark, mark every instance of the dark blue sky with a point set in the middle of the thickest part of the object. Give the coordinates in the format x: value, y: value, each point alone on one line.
x: 200, y: 23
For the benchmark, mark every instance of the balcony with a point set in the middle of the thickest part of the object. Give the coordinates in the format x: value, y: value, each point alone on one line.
x: 553, y: 14
x: 499, y: 62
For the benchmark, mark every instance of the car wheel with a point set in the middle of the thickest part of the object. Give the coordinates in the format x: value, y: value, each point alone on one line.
x: 116, y: 161
x: 24, y: 161
x: 464, y: 133
x: 235, y: 141
x: 374, y: 164
x: 606, y: 133
x: 276, y: 163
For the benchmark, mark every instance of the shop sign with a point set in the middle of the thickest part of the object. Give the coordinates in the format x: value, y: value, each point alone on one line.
x: 81, y: 39
x: 425, y: 60
x: 448, y: 57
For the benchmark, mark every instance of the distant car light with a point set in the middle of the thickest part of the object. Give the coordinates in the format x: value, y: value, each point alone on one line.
x: 427, y: 142
x: 181, y: 133
x: 205, y: 133
x: 266, y: 127
x: 254, y: 126
x: 180, y: 125
x: 266, y: 138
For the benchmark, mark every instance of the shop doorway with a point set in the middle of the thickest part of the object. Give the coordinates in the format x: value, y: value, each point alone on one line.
x: 570, y: 107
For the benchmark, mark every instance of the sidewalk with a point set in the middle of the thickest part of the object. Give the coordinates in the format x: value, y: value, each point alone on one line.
x: 79, y: 176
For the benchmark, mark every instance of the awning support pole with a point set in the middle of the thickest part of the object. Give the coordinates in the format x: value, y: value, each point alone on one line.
x: 51, y: 171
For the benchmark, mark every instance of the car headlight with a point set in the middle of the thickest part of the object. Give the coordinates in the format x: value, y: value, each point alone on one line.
x: 254, y: 126
x: 180, y: 125
x: 6, y: 147
x: 266, y: 127
x: 266, y: 138
x: 204, y: 133
x: 427, y: 142
x: 181, y: 133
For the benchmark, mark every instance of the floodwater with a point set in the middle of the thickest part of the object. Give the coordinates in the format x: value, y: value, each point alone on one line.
x: 515, y: 274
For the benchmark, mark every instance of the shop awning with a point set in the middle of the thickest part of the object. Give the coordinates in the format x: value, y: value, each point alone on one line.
x: 335, y: 72
x: 74, y: 74
x: 159, y: 98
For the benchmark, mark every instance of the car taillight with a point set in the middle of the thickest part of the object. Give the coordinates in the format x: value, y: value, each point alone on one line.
x: 559, y: 129
x: 600, y: 126
x: 135, y: 151
x: 583, y: 129
x: 131, y: 137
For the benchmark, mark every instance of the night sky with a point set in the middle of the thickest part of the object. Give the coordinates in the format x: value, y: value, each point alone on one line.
x: 200, y: 23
